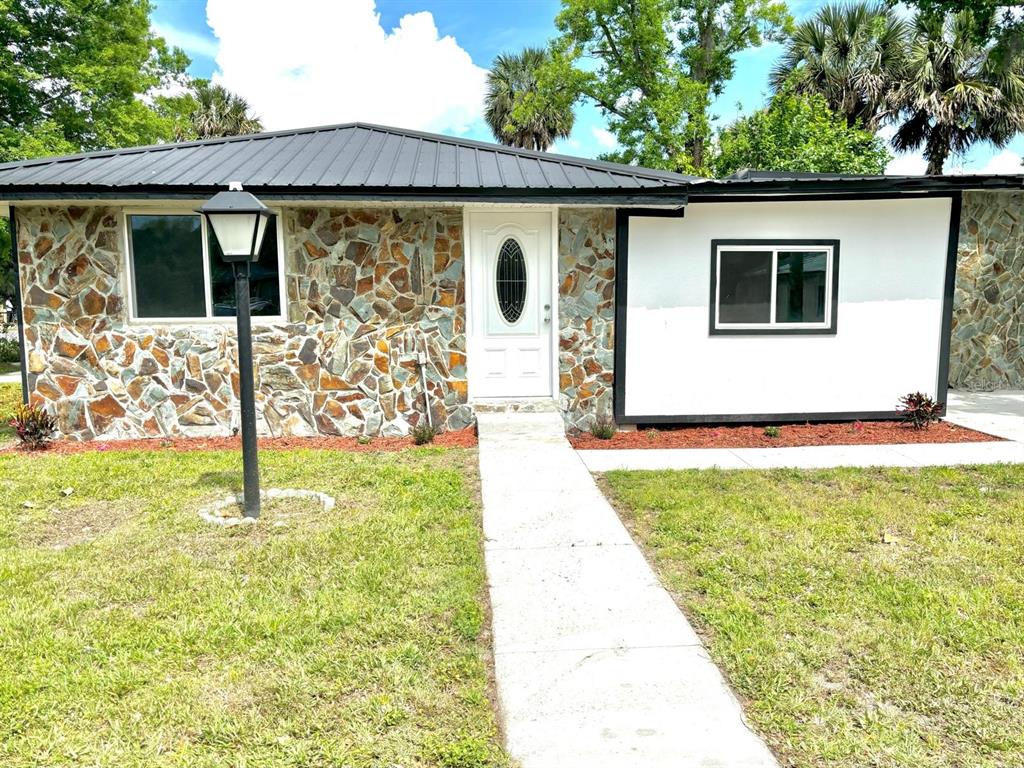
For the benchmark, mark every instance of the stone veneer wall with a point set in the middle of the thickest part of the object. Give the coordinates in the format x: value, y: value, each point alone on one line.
x: 985, y: 347
x: 586, y: 314
x: 368, y: 289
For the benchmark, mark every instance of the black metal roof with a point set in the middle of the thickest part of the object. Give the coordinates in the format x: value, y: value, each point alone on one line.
x: 355, y: 158
x: 360, y: 161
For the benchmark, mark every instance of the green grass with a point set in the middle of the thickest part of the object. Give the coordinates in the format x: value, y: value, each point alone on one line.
x: 133, y: 634
x: 866, y: 617
x: 10, y: 398
x: 9, y: 367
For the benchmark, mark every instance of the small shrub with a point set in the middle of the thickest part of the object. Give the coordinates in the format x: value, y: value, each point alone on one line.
x: 857, y: 427
x: 603, y: 428
x: 364, y: 439
x: 423, y: 434
x: 919, y: 410
x: 34, y: 426
x: 772, y: 432
x: 10, y: 352
x: 651, y: 433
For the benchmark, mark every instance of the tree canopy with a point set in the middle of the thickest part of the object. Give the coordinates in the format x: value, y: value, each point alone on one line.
x: 513, y: 78
x: 651, y: 66
x: 798, y: 132
x: 81, y: 74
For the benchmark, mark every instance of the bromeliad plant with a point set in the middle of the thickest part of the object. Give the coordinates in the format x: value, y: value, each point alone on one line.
x: 34, y: 426
x: 919, y: 410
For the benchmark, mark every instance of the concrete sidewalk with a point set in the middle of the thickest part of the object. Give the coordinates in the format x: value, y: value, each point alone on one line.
x: 808, y: 457
x: 596, y: 666
x: 999, y: 413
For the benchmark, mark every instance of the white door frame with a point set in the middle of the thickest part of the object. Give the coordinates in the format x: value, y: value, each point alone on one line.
x: 553, y: 327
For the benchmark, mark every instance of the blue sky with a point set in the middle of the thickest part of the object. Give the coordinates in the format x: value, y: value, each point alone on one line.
x: 416, y: 63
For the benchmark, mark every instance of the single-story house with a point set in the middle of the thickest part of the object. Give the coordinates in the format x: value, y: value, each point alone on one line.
x: 406, y: 271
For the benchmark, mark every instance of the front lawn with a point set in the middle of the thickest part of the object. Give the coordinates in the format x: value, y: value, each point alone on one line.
x: 866, y: 617
x: 133, y: 634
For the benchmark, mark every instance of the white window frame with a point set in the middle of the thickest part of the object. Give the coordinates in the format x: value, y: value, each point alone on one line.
x: 773, y: 326
x: 129, y: 282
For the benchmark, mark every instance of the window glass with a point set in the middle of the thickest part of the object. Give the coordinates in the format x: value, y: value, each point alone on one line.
x: 745, y: 287
x: 800, y: 291
x: 167, y: 261
x: 264, y: 285
x: 510, y: 279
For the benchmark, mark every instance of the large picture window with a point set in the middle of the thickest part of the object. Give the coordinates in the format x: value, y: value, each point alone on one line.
x: 178, y: 273
x: 761, y: 286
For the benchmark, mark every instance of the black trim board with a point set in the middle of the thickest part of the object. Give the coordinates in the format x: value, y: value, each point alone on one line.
x: 19, y: 316
x: 778, y: 330
x: 621, y: 284
x: 764, y: 418
x: 942, y: 383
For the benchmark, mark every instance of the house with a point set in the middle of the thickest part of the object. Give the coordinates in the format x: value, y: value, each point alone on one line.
x: 406, y: 271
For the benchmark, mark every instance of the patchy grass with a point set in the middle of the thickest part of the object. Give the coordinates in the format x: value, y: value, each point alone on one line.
x: 867, y: 617
x: 10, y: 398
x: 133, y: 634
x: 9, y: 367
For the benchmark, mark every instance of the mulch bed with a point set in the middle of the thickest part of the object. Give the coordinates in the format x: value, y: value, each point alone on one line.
x: 464, y: 438
x: 790, y: 435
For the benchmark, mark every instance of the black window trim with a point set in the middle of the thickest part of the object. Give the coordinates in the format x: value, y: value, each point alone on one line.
x: 778, y: 329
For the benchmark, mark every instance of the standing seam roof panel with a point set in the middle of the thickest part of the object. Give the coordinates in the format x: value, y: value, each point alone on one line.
x: 169, y: 165
x: 446, y: 171
x: 511, y: 170
x: 307, y: 154
x: 205, y: 162
x: 339, y: 166
x: 424, y: 174
x: 489, y: 170
x: 356, y: 173
x: 469, y: 175
x: 313, y: 173
x: 269, y: 172
x: 406, y: 158
x: 384, y: 163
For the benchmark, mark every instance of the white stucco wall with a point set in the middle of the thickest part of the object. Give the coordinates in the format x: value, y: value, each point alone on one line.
x: 891, y: 276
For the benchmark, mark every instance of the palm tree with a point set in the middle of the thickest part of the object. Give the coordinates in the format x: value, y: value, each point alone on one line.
x: 960, y: 88
x: 217, y: 112
x: 513, y: 76
x: 850, y: 54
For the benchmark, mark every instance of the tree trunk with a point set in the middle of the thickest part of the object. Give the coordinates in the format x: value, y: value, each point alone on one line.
x: 935, y: 152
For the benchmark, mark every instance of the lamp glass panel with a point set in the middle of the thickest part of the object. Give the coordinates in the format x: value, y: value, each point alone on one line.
x: 234, y: 232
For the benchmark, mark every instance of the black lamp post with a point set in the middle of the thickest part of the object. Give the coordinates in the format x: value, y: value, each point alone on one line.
x: 239, y: 221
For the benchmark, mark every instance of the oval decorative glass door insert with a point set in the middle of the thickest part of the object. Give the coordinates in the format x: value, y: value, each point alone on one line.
x: 510, y: 280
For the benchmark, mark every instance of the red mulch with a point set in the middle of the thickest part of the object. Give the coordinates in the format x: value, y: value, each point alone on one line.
x: 465, y: 438
x: 845, y: 433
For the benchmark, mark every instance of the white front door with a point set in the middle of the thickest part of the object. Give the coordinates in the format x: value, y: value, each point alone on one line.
x: 510, y: 304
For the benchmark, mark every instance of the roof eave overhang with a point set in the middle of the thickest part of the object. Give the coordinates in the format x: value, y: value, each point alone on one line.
x: 670, y: 197
x: 849, y: 188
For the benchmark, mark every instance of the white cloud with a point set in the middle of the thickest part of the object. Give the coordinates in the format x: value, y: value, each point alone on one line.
x: 1006, y: 161
x: 604, y: 137
x: 315, y: 62
x: 907, y: 164
x: 190, y: 42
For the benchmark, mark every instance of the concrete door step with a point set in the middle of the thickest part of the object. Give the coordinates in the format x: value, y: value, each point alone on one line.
x: 516, y: 405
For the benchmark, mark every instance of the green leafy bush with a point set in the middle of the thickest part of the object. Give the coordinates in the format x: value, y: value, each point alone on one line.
x: 603, y: 428
x: 772, y: 432
x: 34, y: 426
x: 423, y: 434
x: 10, y: 352
x: 919, y: 409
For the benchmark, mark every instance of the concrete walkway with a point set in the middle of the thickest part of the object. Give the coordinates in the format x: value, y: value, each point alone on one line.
x: 596, y: 666
x: 997, y: 413
x: 808, y: 457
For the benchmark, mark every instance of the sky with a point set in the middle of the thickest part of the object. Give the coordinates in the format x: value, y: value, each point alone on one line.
x: 422, y: 64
